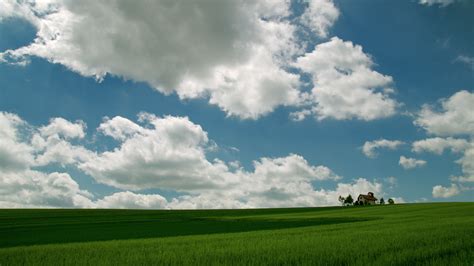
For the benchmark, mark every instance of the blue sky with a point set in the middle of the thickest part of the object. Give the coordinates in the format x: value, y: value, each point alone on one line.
x: 421, y: 53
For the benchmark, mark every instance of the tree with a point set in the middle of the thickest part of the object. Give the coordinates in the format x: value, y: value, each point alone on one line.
x: 342, y: 200
x: 382, y: 201
x: 348, y: 200
x: 391, y: 201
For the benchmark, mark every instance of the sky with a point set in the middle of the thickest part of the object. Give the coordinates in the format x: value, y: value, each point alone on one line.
x: 235, y: 104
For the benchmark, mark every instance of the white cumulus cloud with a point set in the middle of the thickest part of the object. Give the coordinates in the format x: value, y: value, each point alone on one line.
x: 410, y: 163
x: 439, y: 145
x: 170, y: 154
x: 20, y: 185
x: 14, y: 154
x: 232, y: 52
x: 35, y: 189
x: 370, y: 147
x: 119, y: 128
x: 130, y: 200
x: 236, y: 54
x: 455, y: 117
x: 467, y: 165
x: 445, y: 192
x: 320, y: 16
x: 453, y: 120
x: 64, y: 128
x: 345, y: 85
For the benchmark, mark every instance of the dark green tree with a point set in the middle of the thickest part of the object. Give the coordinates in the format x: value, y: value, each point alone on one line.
x: 348, y: 200
x: 341, y: 200
x: 391, y: 201
x: 382, y: 201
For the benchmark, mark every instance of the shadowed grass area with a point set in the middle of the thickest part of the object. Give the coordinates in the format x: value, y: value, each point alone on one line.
x: 410, y: 234
x: 63, y: 226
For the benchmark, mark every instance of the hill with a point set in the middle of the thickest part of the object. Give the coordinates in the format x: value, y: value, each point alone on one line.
x: 407, y: 234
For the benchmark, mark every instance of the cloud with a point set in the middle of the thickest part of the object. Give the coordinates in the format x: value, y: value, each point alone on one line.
x: 51, y: 143
x: 234, y: 53
x: 445, y: 192
x: 158, y: 153
x: 358, y: 186
x: 320, y: 16
x: 370, y: 147
x: 300, y: 115
x: 217, y: 200
x: 28, y: 10
x: 130, y: 200
x: 467, y: 165
x: 119, y: 128
x: 20, y: 186
x: 59, y: 151
x: 274, y: 182
x: 34, y: 189
x: 438, y: 145
x: 437, y: 2
x: 251, y: 90
x: 410, y: 163
x: 14, y: 154
x: 61, y: 127
x: 294, y: 166
x: 308, y: 196
x: 345, y: 85
x: 468, y: 60
x: 274, y: 195
x: 455, y: 116
x: 9, y: 125
x: 398, y: 200
x: 170, y: 154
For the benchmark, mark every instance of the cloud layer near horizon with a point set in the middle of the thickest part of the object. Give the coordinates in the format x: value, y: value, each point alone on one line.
x: 155, y: 153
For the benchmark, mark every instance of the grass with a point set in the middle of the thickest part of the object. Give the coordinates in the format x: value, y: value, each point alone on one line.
x: 409, y: 234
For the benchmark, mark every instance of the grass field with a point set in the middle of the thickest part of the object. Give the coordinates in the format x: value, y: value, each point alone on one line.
x: 409, y: 234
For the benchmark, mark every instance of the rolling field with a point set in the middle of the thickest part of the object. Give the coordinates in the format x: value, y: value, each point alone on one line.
x: 409, y: 234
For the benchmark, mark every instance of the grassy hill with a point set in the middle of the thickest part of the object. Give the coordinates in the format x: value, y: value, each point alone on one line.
x: 409, y: 234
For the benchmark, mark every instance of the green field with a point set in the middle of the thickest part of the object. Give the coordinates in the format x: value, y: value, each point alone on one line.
x: 409, y: 234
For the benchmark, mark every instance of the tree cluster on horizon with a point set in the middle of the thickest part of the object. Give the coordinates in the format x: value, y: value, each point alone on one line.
x: 349, y: 201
